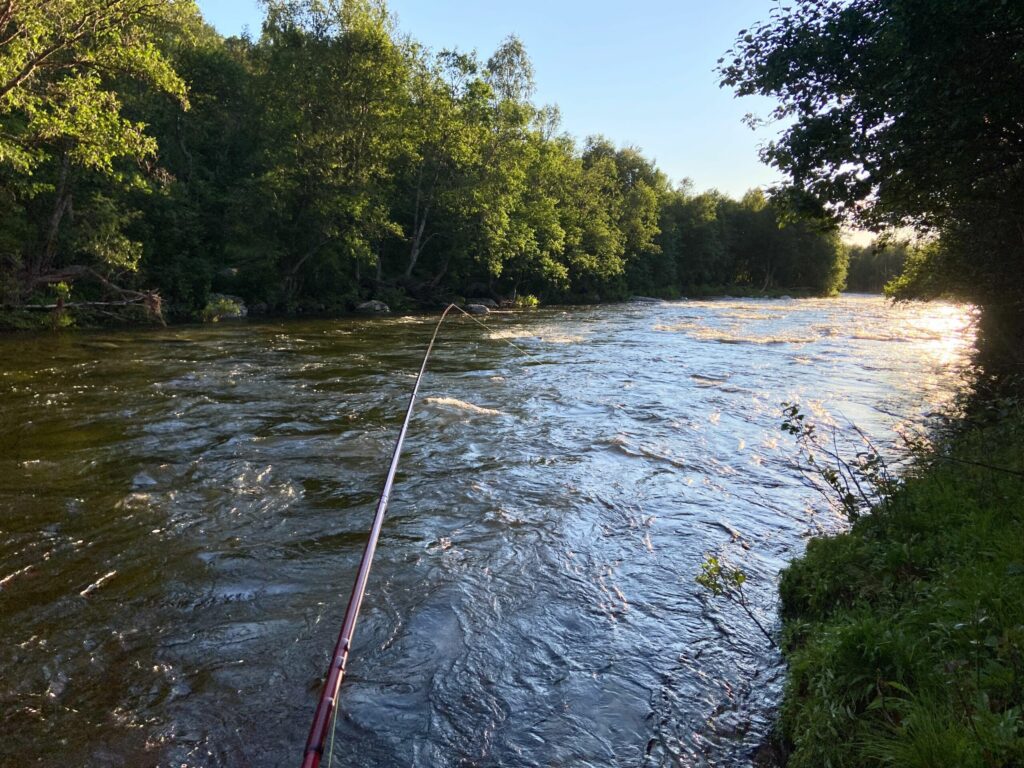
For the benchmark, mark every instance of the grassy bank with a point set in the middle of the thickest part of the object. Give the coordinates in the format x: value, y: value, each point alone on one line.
x: 905, y: 636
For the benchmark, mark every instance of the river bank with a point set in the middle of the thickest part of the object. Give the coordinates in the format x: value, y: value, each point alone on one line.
x: 21, y: 319
x: 904, y: 637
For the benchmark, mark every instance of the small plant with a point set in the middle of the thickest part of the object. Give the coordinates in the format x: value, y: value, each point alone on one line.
x: 851, y: 486
x: 722, y: 580
x: 220, y: 306
x: 61, y: 318
x: 527, y: 301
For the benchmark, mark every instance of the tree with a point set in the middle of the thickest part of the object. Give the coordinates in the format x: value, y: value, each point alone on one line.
x: 597, y: 244
x: 328, y: 160
x: 63, y: 66
x: 332, y: 81
x: 905, y: 113
x: 447, y: 121
x: 196, y: 229
x: 501, y: 234
x: 550, y: 166
x: 643, y: 187
x: 698, y: 238
x: 874, y: 266
x: 751, y: 238
x: 57, y: 60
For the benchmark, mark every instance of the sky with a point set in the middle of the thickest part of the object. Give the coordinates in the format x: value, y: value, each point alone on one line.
x: 640, y: 73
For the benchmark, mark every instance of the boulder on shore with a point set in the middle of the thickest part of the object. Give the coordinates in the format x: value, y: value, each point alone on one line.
x: 477, y: 309
x: 373, y: 307
x: 646, y: 300
x: 489, y: 303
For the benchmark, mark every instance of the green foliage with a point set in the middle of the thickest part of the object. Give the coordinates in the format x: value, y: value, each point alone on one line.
x: 720, y: 579
x: 220, y: 307
x: 331, y: 160
x: 332, y: 82
x: 874, y: 267
x: 63, y: 291
x: 726, y: 582
x: 67, y: 142
x: 396, y: 299
x: 756, y: 243
x: 61, y: 318
x: 58, y: 59
x: 905, y: 636
x: 527, y: 301
x: 904, y: 113
x: 23, y: 320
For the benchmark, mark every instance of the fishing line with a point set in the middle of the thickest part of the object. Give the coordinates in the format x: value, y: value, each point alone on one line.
x: 334, y: 732
x: 326, y: 710
x: 485, y: 327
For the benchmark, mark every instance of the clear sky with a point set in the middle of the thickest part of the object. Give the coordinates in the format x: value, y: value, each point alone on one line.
x: 639, y: 72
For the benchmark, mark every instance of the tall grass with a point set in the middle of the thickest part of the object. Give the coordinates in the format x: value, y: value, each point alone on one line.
x: 905, y: 636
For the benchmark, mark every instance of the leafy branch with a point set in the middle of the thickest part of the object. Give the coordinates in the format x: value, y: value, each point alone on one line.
x: 722, y: 580
x: 851, y: 486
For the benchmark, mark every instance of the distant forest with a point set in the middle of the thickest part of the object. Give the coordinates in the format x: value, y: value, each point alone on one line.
x: 873, y: 267
x: 332, y: 160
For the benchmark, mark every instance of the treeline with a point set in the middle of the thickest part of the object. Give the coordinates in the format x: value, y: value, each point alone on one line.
x: 874, y: 267
x: 902, y: 115
x: 333, y: 160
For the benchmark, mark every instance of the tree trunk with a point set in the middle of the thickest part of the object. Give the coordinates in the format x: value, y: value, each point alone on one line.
x: 417, y: 246
x: 436, y: 280
x: 293, y: 280
x: 184, y: 150
x: 44, y: 261
x: 150, y: 299
x: 420, y: 217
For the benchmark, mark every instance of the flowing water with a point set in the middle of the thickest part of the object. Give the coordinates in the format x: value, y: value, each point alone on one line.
x: 182, y: 511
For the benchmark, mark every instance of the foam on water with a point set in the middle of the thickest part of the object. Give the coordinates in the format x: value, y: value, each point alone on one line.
x: 462, y: 405
x: 533, y: 598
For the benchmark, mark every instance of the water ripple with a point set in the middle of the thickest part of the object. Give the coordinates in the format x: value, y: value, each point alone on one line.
x: 181, y: 512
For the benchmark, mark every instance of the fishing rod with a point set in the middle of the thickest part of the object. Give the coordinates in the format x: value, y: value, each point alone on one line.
x: 326, y: 708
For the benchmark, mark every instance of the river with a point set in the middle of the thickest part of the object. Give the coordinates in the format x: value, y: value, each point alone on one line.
x: 182, y: 511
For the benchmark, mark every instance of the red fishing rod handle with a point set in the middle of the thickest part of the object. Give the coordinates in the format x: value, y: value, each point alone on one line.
x: 322, y: 719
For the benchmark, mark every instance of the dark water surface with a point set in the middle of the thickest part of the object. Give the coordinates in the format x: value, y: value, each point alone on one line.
x: 181, y: 513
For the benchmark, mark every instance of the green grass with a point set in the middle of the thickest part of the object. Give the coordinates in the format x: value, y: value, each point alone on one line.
x: 905, y: 636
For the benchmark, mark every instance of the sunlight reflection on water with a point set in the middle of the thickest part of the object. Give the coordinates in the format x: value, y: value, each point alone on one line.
x: 533, y: 600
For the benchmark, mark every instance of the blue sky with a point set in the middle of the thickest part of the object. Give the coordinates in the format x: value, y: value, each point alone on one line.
x: 641, y: 73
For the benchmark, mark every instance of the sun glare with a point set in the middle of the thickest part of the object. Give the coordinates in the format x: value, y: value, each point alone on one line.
x: 946, y: 330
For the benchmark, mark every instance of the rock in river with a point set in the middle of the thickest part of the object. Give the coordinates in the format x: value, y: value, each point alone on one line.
x: 373, y: 307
